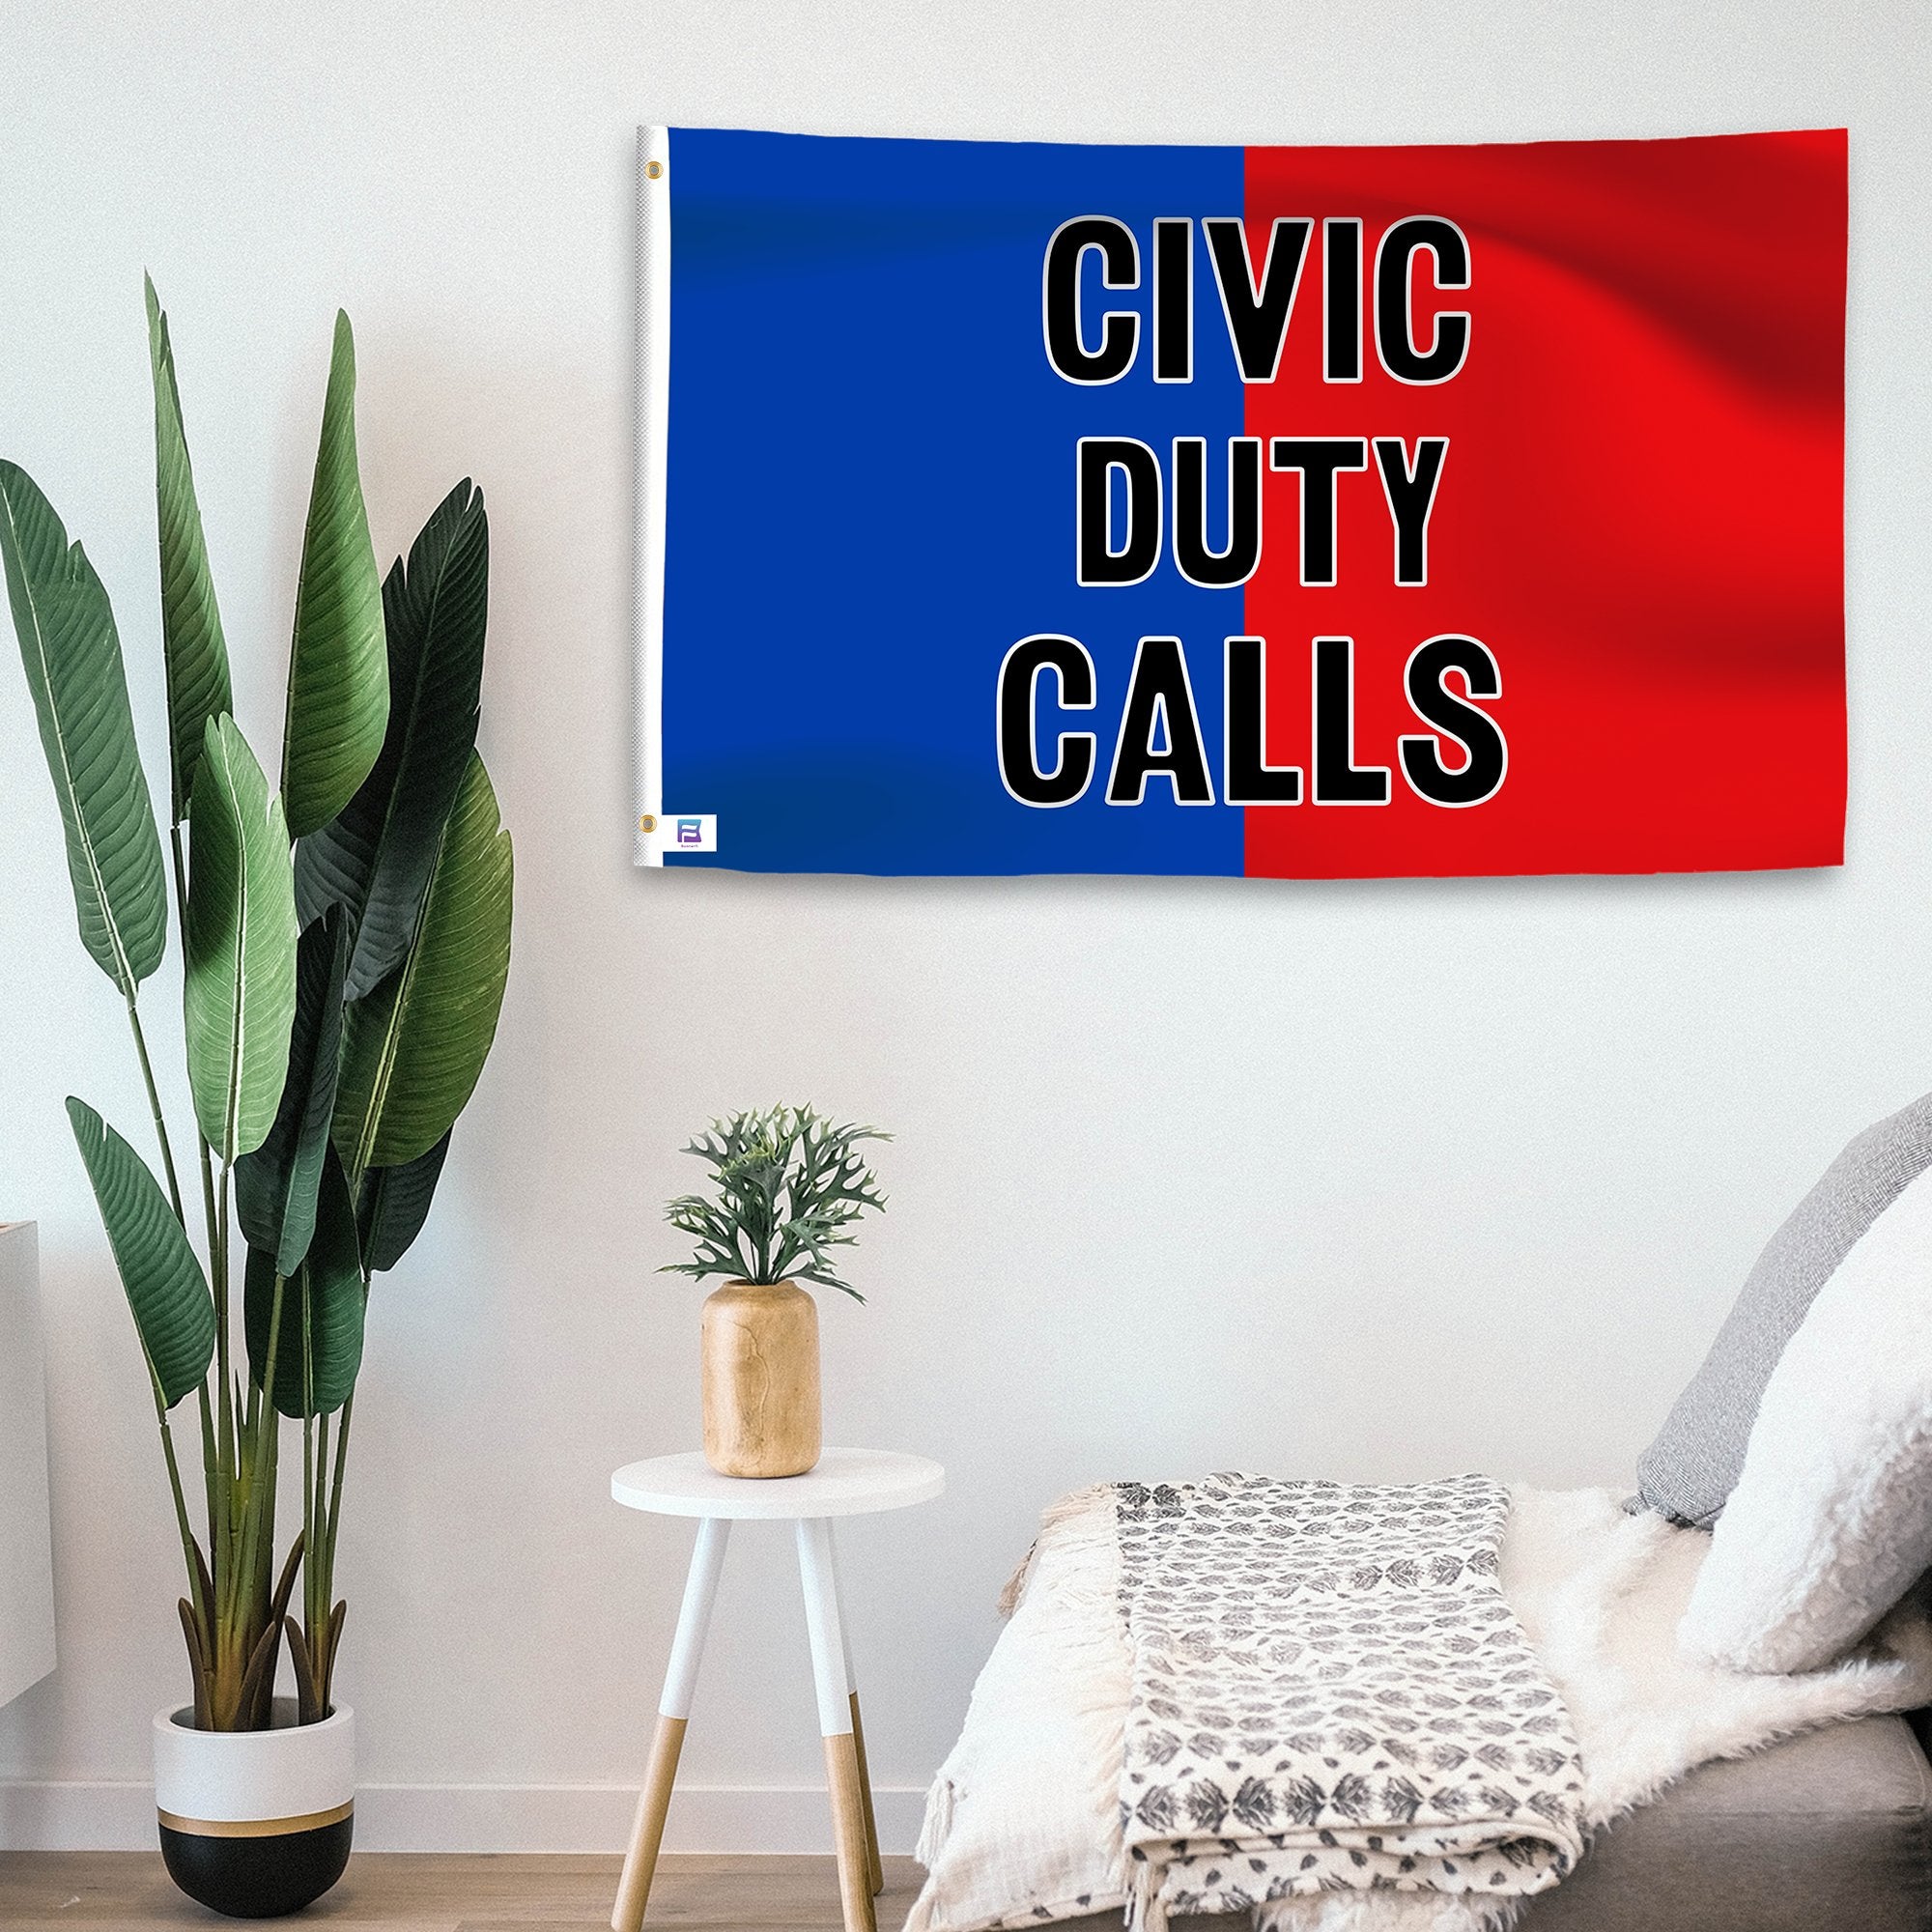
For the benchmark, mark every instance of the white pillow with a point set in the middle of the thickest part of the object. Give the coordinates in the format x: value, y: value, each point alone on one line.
x: 1830, y: 1522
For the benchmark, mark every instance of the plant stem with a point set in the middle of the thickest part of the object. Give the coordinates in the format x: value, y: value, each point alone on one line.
x: 260, y: 1435
x: 210, y: 1474
x: 336, y: 1482
x: 210, y: 1456
x: 208, y: 1210
x: 314, y: 1568
x: 155, y: 1108
x: 318, y: 1578
x: 181, y: 920
x: 201, y: 1607
x: 216, y: 1496
x: 227, y: 1459
x: 308, y: 1521
x: 319, y: 1567
x: 249, y: 1530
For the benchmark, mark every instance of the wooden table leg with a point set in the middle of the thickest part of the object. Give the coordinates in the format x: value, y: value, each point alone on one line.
x: 700, y: 1591
x: 873, y: 1857
x: 640, y: 1861
x: 848, y: 1825
x: 875, y: 1863
x: 818, y: 1578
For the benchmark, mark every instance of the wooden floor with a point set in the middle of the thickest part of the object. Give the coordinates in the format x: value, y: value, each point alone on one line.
x: 127, y: 1892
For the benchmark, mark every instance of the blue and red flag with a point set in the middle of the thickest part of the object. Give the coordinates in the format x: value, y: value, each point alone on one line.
x: 1294, y: 512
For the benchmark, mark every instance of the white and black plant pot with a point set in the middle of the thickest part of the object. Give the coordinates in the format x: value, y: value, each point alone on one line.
x: 256, y: 1824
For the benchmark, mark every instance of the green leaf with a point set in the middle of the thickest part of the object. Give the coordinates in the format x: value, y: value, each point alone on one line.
x: 275, y: 1185
x: 240, y: 984
x: 72, y: 657
x: 412, y: 1050
x: 791, y: 1185
x: 338, y: 670
x: 174, y: 1313
x: 319, y: 1342
x: 395, y: 1204
x: 375, y: 859
x: 193, y: 647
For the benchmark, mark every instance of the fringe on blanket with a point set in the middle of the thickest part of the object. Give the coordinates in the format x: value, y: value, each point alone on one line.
x: 1097, y: 1497
x: 937, y: 1826
x: 1081, y: 1524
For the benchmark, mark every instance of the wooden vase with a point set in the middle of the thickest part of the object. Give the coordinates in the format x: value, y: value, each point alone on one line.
x: 762, y: 1404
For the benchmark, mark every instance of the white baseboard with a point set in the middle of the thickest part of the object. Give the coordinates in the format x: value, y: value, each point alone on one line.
x: 76, y: 1817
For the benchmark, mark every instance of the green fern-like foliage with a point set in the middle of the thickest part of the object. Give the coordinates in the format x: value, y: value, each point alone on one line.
x: 789, y: 1188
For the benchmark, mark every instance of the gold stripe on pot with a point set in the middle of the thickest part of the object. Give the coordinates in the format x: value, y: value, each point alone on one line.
x: 255, y: 1828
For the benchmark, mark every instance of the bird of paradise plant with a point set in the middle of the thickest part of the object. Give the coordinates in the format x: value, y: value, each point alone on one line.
x: 346, y: 943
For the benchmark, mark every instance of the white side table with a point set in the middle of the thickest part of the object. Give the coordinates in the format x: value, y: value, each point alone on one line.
x: 847, y: 1482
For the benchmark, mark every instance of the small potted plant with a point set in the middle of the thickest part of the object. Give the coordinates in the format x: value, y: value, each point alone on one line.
x: 345, y: 941
x: 790, y: 1186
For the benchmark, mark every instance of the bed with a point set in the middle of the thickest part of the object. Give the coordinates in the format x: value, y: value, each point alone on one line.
x: 1826, y: 1833
x: 1725, y: 1669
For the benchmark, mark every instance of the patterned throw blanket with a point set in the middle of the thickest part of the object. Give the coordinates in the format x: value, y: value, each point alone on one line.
x: 1330, y: 1692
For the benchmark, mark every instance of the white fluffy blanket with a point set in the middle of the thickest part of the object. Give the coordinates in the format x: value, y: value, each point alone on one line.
x: 1023, y: 1823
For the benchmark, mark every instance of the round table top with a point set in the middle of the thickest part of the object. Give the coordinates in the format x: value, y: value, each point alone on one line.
x: 846, y: 1482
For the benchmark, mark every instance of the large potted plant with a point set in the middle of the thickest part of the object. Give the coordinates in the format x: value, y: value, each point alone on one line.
x: 790, y: 1186
x: 346, y: 941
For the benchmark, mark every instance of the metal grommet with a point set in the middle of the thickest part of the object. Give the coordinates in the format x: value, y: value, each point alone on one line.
x: 654, y: 169
x: 647, y: 823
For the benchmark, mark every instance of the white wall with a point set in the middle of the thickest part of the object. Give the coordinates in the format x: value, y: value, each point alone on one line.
x: 1365, y: 1179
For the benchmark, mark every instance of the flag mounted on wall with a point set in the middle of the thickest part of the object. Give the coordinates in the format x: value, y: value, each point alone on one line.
x: 1288, y: 512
